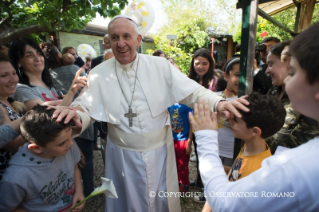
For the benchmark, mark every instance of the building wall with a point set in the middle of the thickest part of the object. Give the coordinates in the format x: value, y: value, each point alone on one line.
x: 74, y: 40
x: 146, y: 46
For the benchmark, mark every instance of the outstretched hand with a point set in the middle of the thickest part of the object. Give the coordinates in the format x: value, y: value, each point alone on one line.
x: 203, y: 120
x: 67, y: 113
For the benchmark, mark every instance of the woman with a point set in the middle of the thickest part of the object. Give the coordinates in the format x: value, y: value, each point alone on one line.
x: 10, y: 110
x: 202, y: 69
x: 62, y: 75
x: 78, y: 60
x: 35, y: 82
x: 298, y: 128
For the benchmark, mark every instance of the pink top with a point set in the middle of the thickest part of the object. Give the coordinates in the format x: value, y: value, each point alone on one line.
x: 213, y: 83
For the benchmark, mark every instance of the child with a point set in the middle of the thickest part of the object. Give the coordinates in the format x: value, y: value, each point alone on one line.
x: 67, y: 59
x: 286, y: 181
x: 230, y: 92
x: 183, y: 136
x: 265, y: 118
x: 228, y: 89
x: 43, y: 174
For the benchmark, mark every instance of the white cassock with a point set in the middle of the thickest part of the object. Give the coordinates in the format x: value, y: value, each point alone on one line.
x: 139, y: 159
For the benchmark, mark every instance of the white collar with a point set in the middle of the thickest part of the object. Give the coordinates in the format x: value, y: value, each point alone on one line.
x: 129, y: 66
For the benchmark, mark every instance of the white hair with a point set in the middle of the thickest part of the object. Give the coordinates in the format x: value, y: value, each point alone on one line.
x: 133, y: 23
x: 107, y: 51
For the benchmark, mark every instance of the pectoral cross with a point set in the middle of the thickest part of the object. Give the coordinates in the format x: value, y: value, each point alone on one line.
x: 130, y: 115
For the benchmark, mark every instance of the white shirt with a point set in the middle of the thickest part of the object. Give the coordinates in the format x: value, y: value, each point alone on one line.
x: 292, y: 175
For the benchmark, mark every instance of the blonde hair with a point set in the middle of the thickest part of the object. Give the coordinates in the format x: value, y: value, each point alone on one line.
x: 18, y: 106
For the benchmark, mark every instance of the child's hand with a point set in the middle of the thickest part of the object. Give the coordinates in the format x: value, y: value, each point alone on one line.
x: 203, y: 120
x: 78, y: 197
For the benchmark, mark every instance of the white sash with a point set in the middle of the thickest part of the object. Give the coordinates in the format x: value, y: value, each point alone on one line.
x: 151, y: 141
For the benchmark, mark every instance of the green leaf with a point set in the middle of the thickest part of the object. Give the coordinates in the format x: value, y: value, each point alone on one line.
x: 103, y: 4
x: 95, y: 2
x: 93, y: 13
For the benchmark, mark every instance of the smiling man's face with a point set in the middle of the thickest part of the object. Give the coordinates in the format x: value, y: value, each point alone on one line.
x: 124, y: 40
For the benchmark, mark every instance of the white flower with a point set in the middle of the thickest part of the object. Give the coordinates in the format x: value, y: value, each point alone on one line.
x: 107, y: 188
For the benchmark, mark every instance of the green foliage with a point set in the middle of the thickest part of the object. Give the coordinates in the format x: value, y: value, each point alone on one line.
x: 181, y: 58
x: 21, y: 16
x: 286, y: 17
x: 188, y: 20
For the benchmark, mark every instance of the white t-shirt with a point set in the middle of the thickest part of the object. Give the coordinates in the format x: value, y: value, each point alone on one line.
x: 225, y: 136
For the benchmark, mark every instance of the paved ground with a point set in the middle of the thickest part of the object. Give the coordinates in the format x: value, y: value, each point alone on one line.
x: 97, y: 205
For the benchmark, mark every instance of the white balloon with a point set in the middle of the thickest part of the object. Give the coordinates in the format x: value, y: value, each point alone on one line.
x: 142, y: 12
x: 85, y: 50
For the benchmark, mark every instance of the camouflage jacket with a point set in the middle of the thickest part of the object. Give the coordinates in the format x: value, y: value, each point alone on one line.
x: 297, y: 129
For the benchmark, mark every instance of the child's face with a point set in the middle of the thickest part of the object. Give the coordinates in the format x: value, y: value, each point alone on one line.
x: 240, y: 129
x: 303, y: 96
x: 201, y: 65
x: 232, y: 78
x: 60, y: 145
x: 277, y: 69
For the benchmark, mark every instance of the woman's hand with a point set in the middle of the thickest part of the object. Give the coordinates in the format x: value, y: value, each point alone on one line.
x: 78, y: 82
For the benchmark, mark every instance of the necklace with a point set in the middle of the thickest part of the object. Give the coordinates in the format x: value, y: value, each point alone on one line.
x: 130, y: 115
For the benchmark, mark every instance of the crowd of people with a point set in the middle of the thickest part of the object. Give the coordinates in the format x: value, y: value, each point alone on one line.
x: 149, y: 115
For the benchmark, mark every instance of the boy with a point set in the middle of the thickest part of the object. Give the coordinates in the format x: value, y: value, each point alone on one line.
x: 286, y: 181
x: 43, y: 174
x: 183, y: 136
x: 265, y: 118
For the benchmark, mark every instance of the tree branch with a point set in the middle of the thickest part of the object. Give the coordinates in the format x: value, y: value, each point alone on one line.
x: 7, y: 21
x: 7, y: 36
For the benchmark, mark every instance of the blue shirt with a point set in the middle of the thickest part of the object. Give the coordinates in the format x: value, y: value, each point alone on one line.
x: 179, y: 121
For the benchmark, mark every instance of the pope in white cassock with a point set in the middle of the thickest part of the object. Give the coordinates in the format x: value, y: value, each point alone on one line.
x: 132, y: 92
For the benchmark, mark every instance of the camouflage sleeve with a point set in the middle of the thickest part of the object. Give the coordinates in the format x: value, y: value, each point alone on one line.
x: 297, y: 130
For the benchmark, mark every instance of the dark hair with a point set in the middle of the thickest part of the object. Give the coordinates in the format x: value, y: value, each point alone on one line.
x: 88, y: 58
x: 158, y: 53
x: 65, y: 49
x: 279, y: 47
x: 270, y: 39
x: 16, y: 52
x: 230, y: 64
x: 38, y: 126
x: 265, y: 112
x: 4, y: 57
x: 305, y: 48
x: 211, y: 70
x: 222, y: 83
x: 51, y: 55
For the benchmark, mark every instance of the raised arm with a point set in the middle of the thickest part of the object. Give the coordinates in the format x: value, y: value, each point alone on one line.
x: 77, y: 83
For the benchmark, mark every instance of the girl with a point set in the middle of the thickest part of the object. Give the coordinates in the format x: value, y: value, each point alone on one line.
x: 230, y: 92
x: 202, y: 69
x: 228, y: 89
